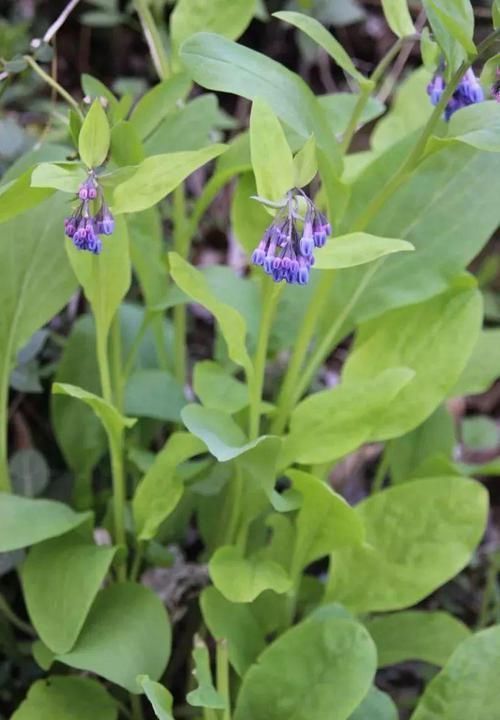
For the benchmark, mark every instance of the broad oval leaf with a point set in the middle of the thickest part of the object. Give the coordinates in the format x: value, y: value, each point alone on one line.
x: 61, y: 578
x: 94, y: 138
x: 357, y: 249
x: 467, y: 686
x: 26, y: 521
x: 126, y: 634
x: 329, y: 663
x: 72, y: 698
x: 418, y: 536
x: 272, y: 159
x: 398, y: 17
x: 157, y: 102
x: 218, y: 389
x: 377, y: 705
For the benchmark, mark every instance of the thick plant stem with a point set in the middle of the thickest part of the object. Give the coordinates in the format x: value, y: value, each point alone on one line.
x: 301, y: 347
x: 222, y: 671
x: 269, y: 305
x: 5, y: 484
x: 153, y: 39
x: 53, y: 84
x: 181, y: 246
x: 136, y: 707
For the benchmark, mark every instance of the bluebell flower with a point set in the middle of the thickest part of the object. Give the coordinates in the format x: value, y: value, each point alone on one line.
x: 286, y: 251
x: 467, y: 92
x: 91, y: 218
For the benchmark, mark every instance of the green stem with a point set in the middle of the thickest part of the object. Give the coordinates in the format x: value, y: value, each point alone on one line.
x: 116, y: 355
x: 136, y: 707
x: 299, y: 352
x: 53, y: 84
x: 269, y: 304
x: 181, y: 246
x: 5, y: 484
x: 222, y: 671
x: 380, y: 474
x: 153, y: 39
x: 11, y: 616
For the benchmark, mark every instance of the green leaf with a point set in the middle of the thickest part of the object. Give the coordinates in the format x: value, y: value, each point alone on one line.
x: 234, y: 623
x: 241, y: 579
x: 357, y: 249
x: 325, y: 521
x: 398, y: 17
x: 305, y: 164
x: 205, y: 695
x: 126, y: 146
x: 329, y: 424
x: 467, y: 685
x: 78, y: 431
x: 154, y: 393
x: 230, y: 322
x: 113, y: 422
x: 66, y: 177
x: 157, y: 102
x: 329, y: 663
x: 338, y: 108
x: 317, y: 32
x: 435, y: 340
x: 483, y: 365
x: 95, y: 89
x: 157, y: 176
x: 477, y: 125
x: 160, y: 489
x: 416, y: 635
x: 25, y: 521
x: 418, y: 536
x: 191, y: 16
x: 17, y: 196
x: 94, y: 138
x: 249, y: 219
x: 377, y: 705
x: 272, y: 159
x: 105, y: 278
x: 77, y: 568
x: 159, y: 697
x: 29, y: 472
x: 218, y: 389
x: 454, y: 17
x: 126, y: 634
x: 220, y: 64
x: 71, y: 698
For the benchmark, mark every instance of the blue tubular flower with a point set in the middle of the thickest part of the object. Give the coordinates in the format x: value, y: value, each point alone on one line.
x: 467, y: 92
x: 285, y: 253
x: 86, y: 224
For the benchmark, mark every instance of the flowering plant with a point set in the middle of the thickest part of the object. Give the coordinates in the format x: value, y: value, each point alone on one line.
x: 208, y: 550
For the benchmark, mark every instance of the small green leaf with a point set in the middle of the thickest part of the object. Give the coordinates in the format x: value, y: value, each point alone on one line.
x: 234, y: 623
x: 317, y: 32
x: 467, y: 686
x: 231, y: 323
x: 357, y: 249
x: 94, y: 139
x: 95, y: 89
x: 377, y: 705
x: 330, y: 664
x: 272, y: 159
x: 157, y: 102
x: 160, y: 698
x: 161, y: 489
x: 29, y: 472
x: 218, y: 389
x: 126, y: 146
x: 154, y: 393
x: 62, y: 176
x: 77, y: 568
x: 17, y: 196
x: 483, y: 366
x: 477, y: 125
x: 418, y: 536
x: 242, y: 579
x: 305, y: 164
x: 25, y: 521
x: 157, y: 176
x: 454, y: 18
x: 205, y: 695
x: 126, y: 633
x: 325, y: 521
x: 416, y: 635
x: 398, y: 17
x: 71, y: 698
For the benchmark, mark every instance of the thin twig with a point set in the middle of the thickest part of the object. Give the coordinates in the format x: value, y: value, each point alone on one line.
x: 60, y: 20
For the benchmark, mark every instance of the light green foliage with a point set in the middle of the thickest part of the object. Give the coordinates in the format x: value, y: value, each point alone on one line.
x: 66, y: 177
x: 154, y: 393
x: 159, y: 697
x: 76, y: 567
x: 377, y: 705
x: 305, y: 164
x: 416, y: 635
x: 94, y: 139
x: 329, y: 664
x: 71, y: 698
x: 398, y: 17
x: 272, y: 159
x: 126, y: 633
x: 483, y: 366
x: 357, y: 249
x: 218, y: 389
x: 18, y: 195
x: 477, y: 125
x: 205, y: 695
x: 467, y: 686
x: 452, y: 20
x: 156, y: 103
x: 418, y: 536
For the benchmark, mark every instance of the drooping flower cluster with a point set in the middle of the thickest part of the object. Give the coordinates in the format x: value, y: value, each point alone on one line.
x: 91, y: 218
x: 467, y: 92
x: 286, y: 252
